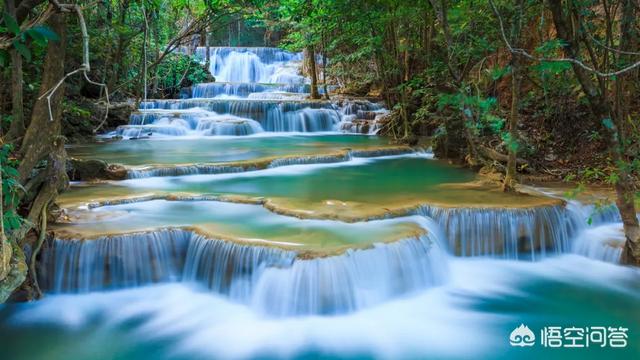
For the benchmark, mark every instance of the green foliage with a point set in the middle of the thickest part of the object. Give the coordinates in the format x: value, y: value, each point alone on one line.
x: 181, y: 70
x: 10, y: 188
x: 73, y: 109
x: 477, y: 110
x: 498, y: 73
x: 10, y: 24
x: 40, y: 34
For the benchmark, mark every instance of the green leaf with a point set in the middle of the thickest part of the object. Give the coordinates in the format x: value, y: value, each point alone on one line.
x: 36, y: 36
x: 23, y: 50
x: 11, y: 24
x: 45, y: 32
x: 607, y: 123
x: 498, y: 72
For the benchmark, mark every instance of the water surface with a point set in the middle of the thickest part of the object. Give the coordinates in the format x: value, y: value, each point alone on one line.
x: 471, y: 317
x: 359, y: 187
x: 241, y: 222
x: 218, y: 149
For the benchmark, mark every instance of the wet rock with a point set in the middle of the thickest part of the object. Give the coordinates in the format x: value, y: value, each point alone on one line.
x: 92, y: 169
x: 185, y: 92
x: 83, y: 116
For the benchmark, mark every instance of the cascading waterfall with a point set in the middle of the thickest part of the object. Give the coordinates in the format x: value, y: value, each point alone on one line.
x: 229, y: 268
x: 244, y: 90
x: 272, y: 279
x: 357, y: 279
x: 603, y: 242
x: 258, y: 90
x: 253, y: 65
x: 283, y: 282
x: 512, y: 233
x: 181, y: 170
x: 113, y: 262
x: 231, y: 117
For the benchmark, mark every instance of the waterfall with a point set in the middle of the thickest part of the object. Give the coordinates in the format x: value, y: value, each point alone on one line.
x: 276, y: 281
x: 180, y: 170
x: 514, y: 233
x: 257, y: 90
x: 357, y: 279
x: 229, y: 268
x: 603, y: 242
x: 112, y: 262
x: 244, y: 90
x: 508, y: 233
x: 227, y: 125
x: 253, y: 65
x: 311, y: 159
x: 231, y: 117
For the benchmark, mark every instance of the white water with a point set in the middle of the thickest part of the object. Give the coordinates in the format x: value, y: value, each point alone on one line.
x: 253, y: 65
x: 272, y: 280
x: 257, y: 90
x: 469, y: 317
x: 602, y: 242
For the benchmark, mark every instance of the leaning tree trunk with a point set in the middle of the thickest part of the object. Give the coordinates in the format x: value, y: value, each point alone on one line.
x: 312, y: 70
x: 42, y: 166
x: 44, y: 127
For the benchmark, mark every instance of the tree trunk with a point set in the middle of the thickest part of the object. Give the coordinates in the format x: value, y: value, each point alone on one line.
x: 42, y: 133
x: 324, y: 67
x: 120, y: 47
x: 625, y: 191
x: 16, y: 129
x: 625, y: 188
x: 207, y: 44
x: 5, y: 246
x: 312, y: 70
x: 516, y: 81
x: 42, y: 142
x: 156, y: 54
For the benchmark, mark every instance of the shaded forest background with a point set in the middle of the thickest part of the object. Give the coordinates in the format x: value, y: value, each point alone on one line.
x: 522, y: 90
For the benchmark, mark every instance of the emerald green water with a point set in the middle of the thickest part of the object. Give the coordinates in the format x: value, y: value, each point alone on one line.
x: 217, y: 149
x: 242, y: 222
x: 364, y: 185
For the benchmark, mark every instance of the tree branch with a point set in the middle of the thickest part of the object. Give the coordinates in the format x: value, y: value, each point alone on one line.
x: 579, y: 63
x: 85, y: 67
